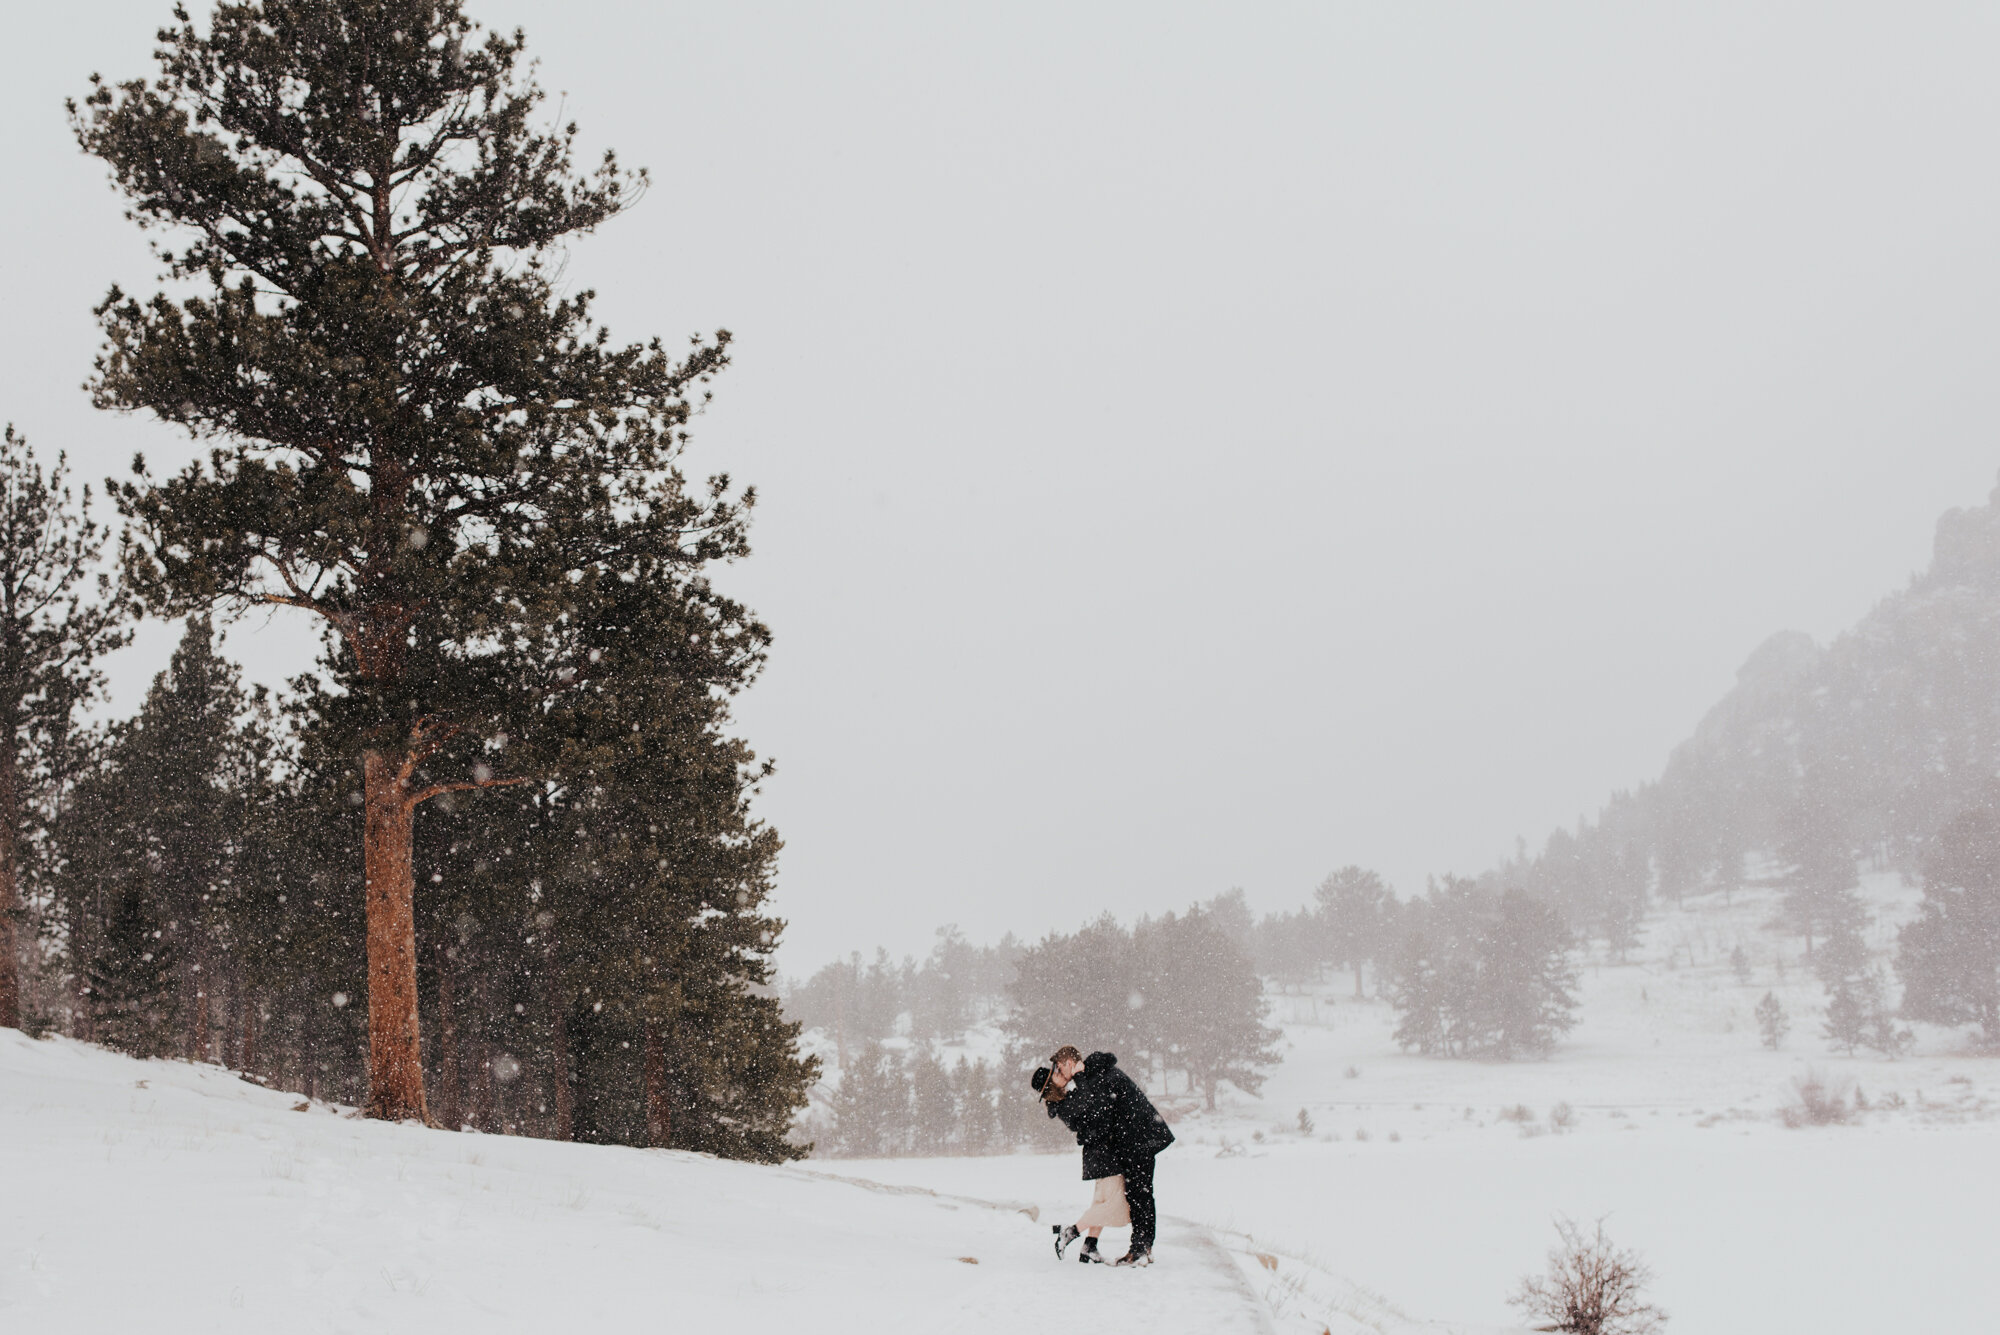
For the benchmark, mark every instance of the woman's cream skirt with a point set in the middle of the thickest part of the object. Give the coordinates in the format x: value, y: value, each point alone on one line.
x: 1107, y: 1206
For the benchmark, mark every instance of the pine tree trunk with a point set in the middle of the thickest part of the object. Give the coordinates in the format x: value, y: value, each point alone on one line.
x: 659, y: 1114
x: 395, y: 1054
x: 248, y: 1056
x: 195, y: 1047
x: 10, y: 892
x: 230, y: 1049
x: 82, y: 1016
x: 448, y: 1111
x: 309, y: 1058
x: 482, y: 1064
x: 559, y: 1055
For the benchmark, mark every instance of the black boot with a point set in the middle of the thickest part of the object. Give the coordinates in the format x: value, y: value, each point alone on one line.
x: 1090, y: 1255
x: 1065, y: 1235
x: 1136, y: 1257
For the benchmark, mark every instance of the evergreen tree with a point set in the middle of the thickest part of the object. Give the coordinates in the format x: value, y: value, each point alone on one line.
x: 1203, y: 1003
x: 934, y: 1112
x: 1529, y: 997
x: 973, y: 1098
x: 1291, y: 948
x: 1083, y: 988
x: 1354, y: 907
x: 1820, y: 880
x: 154, y: 839
x: 656, y: 875
x: 871, y: 1107
x: 129, y: 974
x: 1882, y: 1033
x: 1949, y: 957
x: 1416, y: 990
x: 1622, y: 876
x: 1857, y: 1012
x: 1484, y: 974
x: 1771, y: 1021
x: 425, y: 444
x: 1847, y: 1014
x: 1018, y: 1108
x: 942, y: 991
x: 56, y: 620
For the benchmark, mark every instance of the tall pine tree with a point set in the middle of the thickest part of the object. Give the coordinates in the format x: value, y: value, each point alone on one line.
x: 421, y: 441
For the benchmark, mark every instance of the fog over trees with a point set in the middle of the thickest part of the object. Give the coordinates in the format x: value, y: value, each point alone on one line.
x: 1877, y: 751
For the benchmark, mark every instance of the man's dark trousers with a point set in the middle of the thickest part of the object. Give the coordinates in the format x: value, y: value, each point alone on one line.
x: 1139, y: 1196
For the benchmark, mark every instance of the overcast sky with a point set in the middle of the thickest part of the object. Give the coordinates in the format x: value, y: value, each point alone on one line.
x: 1203, y: 446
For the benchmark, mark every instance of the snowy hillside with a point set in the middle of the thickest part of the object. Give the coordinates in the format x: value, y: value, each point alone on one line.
x: 1432, y: 1183
x: 163, y: 1197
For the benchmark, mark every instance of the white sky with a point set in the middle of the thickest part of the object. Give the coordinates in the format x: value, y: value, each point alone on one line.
x: 1207, y: 445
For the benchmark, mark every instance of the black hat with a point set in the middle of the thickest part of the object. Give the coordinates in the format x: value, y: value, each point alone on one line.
x: 1039, y: 1078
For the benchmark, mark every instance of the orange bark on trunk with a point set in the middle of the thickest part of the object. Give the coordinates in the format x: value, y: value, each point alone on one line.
x: 395, y: 1052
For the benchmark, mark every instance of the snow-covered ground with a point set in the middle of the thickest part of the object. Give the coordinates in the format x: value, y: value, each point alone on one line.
x: 1447, y: 1202
x: 162, y: 1197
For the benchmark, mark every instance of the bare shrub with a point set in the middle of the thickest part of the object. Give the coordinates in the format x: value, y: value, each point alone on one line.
x: 1520, y: 1112
x: 1562, y: 1118
x: 1816, y: 1101
x: 1592, y: 1287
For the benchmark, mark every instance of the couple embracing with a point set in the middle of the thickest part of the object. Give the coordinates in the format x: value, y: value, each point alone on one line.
x: 1120, y: 1132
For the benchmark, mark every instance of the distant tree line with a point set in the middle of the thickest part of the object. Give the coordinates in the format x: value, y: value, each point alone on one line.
x: 1177, y: 997
x: 955, y: 987
x: 1177, y: 994
x: 891, y: 1103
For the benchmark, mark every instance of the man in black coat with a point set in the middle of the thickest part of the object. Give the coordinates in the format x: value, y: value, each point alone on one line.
x: 1119, y: 1129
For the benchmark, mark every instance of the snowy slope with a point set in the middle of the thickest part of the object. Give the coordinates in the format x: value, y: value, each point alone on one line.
x: 163, y: 1197
x: 1751, y: 1227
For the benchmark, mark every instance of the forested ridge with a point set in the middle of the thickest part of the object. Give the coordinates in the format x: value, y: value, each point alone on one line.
x: 1880, y: 750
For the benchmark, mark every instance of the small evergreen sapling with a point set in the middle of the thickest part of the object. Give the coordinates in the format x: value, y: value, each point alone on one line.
x: 1846, y: 1015
x: 1772, y: 1021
